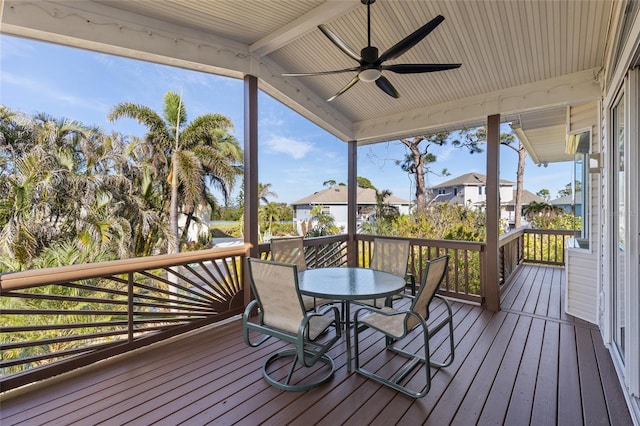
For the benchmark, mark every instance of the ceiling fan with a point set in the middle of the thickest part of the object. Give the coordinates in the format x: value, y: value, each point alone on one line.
x: 372, y: 65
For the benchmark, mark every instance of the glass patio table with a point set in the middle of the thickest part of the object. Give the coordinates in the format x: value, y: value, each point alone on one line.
x: 349, y: 284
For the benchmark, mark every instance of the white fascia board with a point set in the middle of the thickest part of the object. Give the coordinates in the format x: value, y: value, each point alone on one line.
x: 99, y: 27
x: 560, y: 91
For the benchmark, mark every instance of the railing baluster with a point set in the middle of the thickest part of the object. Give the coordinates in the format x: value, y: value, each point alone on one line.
x: 85, y: 313
x: 130, y: 322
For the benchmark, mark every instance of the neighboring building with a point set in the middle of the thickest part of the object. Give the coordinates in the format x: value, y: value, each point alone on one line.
x: 199, y: 224
x: 510, y: 207
x: 334, y: 202
x: 469, y: 190
x: 568, y: 204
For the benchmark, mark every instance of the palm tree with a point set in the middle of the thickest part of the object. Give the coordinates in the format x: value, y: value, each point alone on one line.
x: 270, y: 213
x: 194, y: 157
x: 42, y: 195
x: 382, y: 207
x: 264, y: 191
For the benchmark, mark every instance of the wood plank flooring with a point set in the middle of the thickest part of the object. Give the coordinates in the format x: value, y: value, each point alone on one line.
x: 527, y: 364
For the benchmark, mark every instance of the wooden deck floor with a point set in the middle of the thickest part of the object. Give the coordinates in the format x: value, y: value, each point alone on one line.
x: 528, y: 364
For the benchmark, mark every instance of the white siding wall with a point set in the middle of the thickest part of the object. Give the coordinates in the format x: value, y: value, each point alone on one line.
x: 303, y: 213
x: 583, y: 265
x: 339, y: 213
x: 506, y: 194
x: 581, y: 297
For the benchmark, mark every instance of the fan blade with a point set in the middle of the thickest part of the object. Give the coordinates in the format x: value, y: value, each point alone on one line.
x: 305, y: 74
x: 338, y: 42
x: 387, y: 87
x: 418, y: 68
x: 411, y: 40
x: 345, y: 88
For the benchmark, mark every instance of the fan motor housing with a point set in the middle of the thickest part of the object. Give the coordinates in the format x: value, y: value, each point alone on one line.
x: 369, y: 54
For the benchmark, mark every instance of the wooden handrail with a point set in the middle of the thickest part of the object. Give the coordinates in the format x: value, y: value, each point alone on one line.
x: 61, y: 274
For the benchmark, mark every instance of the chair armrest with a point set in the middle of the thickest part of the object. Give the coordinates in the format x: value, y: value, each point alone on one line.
x: 386, y: 311
x: 412, y: 282
x: 327, y: 310
x: 247, y: 325
x: 305, y: 326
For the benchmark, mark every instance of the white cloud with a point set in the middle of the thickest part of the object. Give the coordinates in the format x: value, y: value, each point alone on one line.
x: 294, y: 148
x: 44, y: 90
x: 271, y: 119
x: 445, y: 153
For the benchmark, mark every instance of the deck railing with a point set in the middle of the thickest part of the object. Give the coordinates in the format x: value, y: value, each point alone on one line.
x: 464, y: 279
x: 319, y: 252
x: 546, y: 246
x: 58, y: 319
x: 542, y: 246
x: 76, y: 315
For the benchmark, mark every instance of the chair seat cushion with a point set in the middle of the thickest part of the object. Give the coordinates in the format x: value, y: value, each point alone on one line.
x: 393, y: 326
x: 311, y: 303
x: 317, y: 325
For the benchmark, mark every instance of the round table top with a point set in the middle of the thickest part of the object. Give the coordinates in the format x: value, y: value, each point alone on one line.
x: 349, y: 283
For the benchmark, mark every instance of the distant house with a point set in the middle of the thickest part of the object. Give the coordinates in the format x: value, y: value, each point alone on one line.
x: 510, y: 207
x: 470, y: 190
x: 568, y: 204
x: 334, y: 202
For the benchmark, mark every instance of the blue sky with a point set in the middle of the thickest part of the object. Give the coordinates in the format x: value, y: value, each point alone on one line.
x: 295, y: 155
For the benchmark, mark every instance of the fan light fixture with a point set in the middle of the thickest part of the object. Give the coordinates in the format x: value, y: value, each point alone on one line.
x: 371, y: 64
x: 370, y: 74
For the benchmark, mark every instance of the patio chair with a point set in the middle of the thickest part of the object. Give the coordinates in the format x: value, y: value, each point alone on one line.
x: 397, y: 324
x: 390, y: 256
x: 291, y: 250
x: 281, y: 314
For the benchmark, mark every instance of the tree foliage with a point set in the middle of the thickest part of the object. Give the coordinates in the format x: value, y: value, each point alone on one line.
x: 419, y: 159
x: 544, y: 194
x: 192, y: 157
x: 65, y: 186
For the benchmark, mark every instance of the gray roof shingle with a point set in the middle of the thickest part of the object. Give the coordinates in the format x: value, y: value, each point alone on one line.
x: 338, y: 195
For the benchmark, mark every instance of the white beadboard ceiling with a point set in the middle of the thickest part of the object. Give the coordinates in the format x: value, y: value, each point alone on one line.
x: 518, y: 57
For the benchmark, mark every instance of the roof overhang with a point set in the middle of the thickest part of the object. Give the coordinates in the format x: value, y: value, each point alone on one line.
x: 543, y: 134
x: 516, y: 61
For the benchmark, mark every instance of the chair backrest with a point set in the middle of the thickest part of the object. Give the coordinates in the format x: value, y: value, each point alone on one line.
x: 390, y: 256
x: 289, y: 250
x: 275, y: 286
x: 434, y: 274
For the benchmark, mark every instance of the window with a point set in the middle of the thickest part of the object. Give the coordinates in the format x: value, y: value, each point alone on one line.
x: 580, y: 143
x: 479, y: 190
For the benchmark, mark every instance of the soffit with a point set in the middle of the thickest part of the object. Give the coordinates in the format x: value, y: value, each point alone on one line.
x: 517, y: 56
x: 544, y: 134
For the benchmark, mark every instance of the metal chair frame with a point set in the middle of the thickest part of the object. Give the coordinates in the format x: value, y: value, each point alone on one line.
x: 413, y: 318
x: 312, y: 326
x: 291, y: 250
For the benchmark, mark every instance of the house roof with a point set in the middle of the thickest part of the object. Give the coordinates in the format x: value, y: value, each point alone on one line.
x: 520, y: 59
x: 562, y: 201
x: 338, y: 195
x: 528, y: 197
x: 470, y: 179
